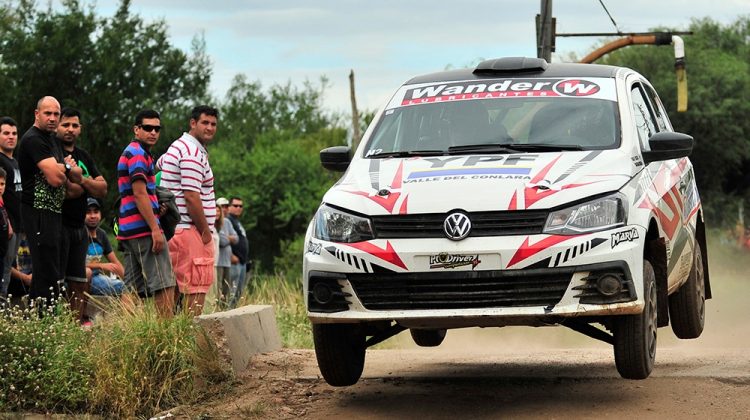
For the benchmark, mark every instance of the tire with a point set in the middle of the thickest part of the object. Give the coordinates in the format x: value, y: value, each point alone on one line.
x: 635, y: 335
x: 427, y: 338
x: 687, y: 306
x: 340, y: 350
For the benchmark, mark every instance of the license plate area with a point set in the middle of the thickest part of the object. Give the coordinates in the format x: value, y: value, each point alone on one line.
x: 458, y: 261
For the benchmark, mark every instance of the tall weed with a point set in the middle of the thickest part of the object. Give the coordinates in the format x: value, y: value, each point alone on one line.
x: 289, y: 304
x: 44, y: 362
x: 131, y: 364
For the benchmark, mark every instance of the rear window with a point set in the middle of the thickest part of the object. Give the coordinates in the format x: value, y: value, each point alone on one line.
x: 532, y: 111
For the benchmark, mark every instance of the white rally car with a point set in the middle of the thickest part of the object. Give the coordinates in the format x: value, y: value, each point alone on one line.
x: 515, y: 193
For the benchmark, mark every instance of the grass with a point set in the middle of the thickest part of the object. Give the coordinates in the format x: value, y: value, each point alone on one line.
x: 132, y: 364
x: 286, y: 297
x: 43, y: 362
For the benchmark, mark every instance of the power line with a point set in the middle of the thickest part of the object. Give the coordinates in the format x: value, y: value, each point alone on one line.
x: 610, y: 16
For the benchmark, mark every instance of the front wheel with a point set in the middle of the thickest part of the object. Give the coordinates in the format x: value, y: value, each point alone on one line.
x: 635, y: 335
x: 687, y: 306
x: 340, y: 350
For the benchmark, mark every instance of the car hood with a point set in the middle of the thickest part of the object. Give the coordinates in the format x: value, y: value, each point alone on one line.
x: 479, y: 182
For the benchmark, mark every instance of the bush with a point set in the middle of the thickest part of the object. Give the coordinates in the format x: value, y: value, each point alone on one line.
x: 132, y: 363
x: 44, y: 362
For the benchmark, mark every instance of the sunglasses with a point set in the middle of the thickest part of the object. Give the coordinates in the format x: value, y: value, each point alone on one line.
x: 149, y: 128
x: 237, y: 205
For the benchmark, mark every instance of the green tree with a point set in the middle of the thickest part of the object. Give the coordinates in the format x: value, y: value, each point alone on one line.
x: 108, y: 68
x: 267, y: 153
x: 718, y: 67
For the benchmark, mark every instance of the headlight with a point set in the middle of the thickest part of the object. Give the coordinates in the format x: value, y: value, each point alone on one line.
x: 334, y: 225
x: 604, y: 213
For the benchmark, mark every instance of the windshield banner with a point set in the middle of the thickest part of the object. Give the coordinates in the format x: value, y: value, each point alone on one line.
x: 594, y: 87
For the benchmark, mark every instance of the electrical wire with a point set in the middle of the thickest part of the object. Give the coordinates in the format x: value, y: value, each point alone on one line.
x: 610, y: 16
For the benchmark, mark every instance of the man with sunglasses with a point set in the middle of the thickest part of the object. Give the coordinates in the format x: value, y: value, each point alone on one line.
x: 45, y: 171
x: 75, y: 238
x: 148, y: 269
x: 239, y: 258
x: 187, y: 173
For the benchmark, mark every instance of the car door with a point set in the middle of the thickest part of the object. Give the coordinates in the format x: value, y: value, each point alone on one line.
x: 671, y: 186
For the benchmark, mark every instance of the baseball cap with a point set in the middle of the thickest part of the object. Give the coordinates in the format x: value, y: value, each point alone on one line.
x: 93, y: 202
x: 221, y: 201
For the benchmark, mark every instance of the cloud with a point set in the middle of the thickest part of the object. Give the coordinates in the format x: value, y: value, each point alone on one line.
x: 389, y: 41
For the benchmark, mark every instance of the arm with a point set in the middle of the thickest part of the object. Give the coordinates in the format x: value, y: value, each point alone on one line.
x: 54, y: 173
x: 75, y: 174
x: 25, y: 278
x: 93, y: 182
x: 144, y: 208
x: 96, y: 187
x: 116, y: 265
x: 195, y: 210
x: 223, y: 239
x: 231, y: 234
x: 113, y: 266
x: 72, y: 190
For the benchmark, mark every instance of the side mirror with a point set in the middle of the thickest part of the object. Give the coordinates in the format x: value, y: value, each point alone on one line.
x: 336, y: 158
x: 668, y: 145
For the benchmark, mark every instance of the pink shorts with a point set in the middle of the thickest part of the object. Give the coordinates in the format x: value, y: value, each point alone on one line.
x: 192, y: 261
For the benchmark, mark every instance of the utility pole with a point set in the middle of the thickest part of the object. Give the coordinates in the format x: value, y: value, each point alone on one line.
x: 545, y: 31
x: 355, y: 113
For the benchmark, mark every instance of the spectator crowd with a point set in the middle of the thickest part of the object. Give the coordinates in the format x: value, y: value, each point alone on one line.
x: 175, y: 238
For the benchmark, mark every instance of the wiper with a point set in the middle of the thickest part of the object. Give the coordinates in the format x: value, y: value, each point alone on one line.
x: 406, y: 153
x: 542, y: 147
x: 483, y: 148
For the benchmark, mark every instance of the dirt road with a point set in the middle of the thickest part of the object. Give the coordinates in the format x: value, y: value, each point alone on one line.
x: 450, y: 384
x: 514, y: 373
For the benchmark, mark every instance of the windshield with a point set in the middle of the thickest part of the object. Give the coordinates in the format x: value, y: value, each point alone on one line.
x: 451, y: 126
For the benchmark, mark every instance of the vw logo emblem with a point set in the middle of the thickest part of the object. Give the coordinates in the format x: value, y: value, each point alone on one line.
x: 457, y: 226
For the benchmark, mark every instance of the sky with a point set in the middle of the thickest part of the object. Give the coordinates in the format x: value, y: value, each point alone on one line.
x: 387, y: 42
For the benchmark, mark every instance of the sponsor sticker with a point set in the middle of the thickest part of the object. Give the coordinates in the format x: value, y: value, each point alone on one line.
x: 445, y: 260
x: 624, y: 236
x: 595, y: 87
x: 313, y: 248
x: 497, y: 170
x: 474, y: 167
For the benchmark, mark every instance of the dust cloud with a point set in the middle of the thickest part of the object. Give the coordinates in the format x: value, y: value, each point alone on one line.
x: 727, y: 318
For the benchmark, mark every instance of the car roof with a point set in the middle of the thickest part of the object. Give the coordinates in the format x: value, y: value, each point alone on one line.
x: 485, y: 71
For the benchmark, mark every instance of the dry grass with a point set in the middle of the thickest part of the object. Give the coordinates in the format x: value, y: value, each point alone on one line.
x: 131, y: 364
x: 286, y: 296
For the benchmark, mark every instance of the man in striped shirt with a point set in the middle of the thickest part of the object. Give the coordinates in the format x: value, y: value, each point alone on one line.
x: 148, y: 268
x: 187, y: 173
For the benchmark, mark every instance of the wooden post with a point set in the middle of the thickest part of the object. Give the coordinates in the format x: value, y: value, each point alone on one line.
x: 355, y: 113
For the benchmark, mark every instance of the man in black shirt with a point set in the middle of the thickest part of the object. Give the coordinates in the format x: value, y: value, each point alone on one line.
x: 239, y: 258
x: 11, y: 196
x: 74, y: 235
x: 44, y: 174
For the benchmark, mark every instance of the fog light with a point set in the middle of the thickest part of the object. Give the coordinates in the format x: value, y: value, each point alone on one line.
x: 609, y: 285
x: 322, y: 293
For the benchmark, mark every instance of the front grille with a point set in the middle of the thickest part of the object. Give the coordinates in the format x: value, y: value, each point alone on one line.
x: 491, y: 223
x: 460, y: 290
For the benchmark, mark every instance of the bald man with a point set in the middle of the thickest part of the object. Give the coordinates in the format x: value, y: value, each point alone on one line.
x: 45, y: 171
